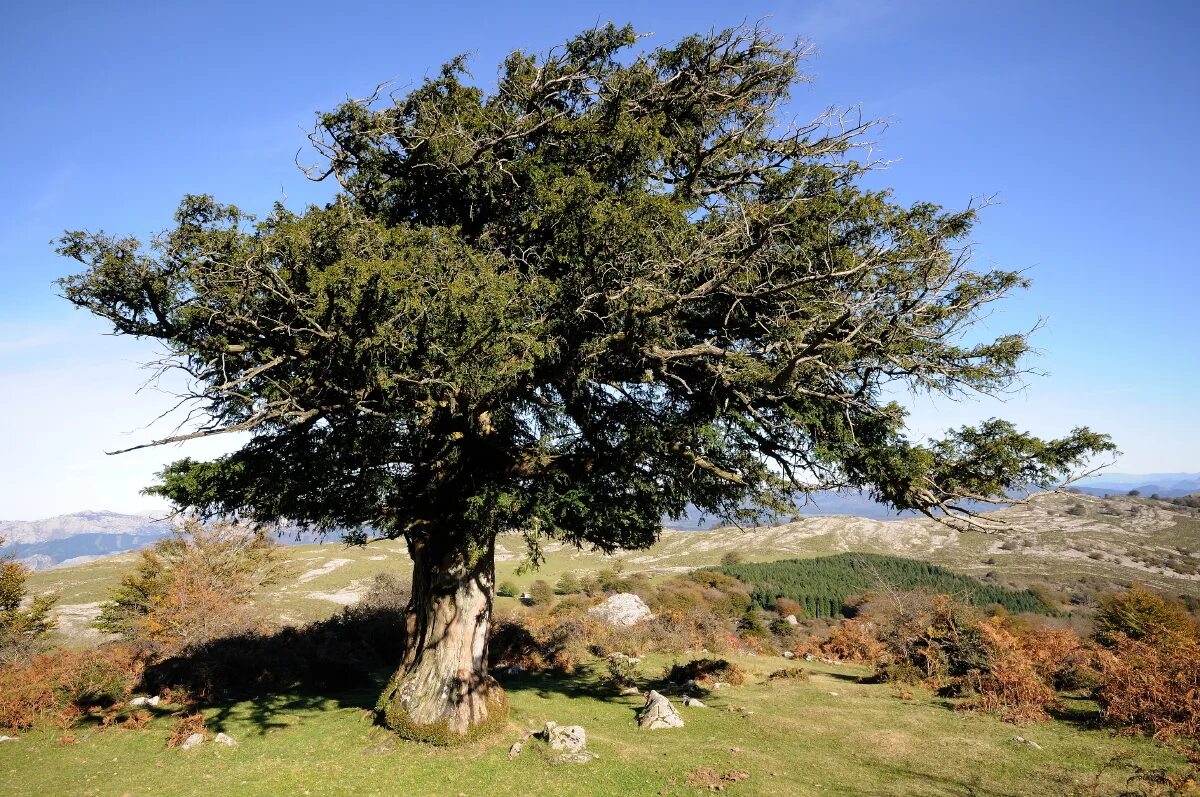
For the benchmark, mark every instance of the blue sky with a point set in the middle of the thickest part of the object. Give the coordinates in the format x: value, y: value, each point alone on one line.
x: 1079, y: 117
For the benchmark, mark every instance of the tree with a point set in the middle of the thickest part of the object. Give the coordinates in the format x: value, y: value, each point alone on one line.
x: 22, y: 624
x: 541, y: 592
x: 568, y: 584
x: 611, y: 286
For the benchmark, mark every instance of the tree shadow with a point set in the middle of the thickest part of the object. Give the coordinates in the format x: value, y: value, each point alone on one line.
x: 342, y: 662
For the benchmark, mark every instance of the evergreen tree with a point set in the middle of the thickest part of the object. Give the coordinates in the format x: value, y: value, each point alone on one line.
x: 614, y: 285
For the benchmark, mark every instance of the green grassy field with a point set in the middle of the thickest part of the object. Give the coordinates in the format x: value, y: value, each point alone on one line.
x: 829, y: 735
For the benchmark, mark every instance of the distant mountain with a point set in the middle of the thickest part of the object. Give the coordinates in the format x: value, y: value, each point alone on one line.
x: 1168, y: 485
x: 42, y: 544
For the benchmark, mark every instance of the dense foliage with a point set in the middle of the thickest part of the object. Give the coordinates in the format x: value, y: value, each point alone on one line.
x: 824, y: 585
x: 23, y: 622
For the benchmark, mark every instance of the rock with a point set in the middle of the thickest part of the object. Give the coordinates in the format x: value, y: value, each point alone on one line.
x: 153, y: 701
x: 1027, y: 742
x: 515, y: 750
x: 624, y: 608
x: 692, y: 702
x: 140, y: 701
x: 192, y: 742
x: 787, y: 654
x: 565, y: 738
x: 791, y: 620
x: 630, y: 690
x: 621, y: 657
x: 658, y: 713
x: 833, y: 694
x: 226, y: 739
x: 809, y: 657
x: 9, y: 738
x: 513, y: 670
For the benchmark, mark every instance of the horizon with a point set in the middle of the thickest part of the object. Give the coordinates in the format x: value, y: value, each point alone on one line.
x: 1026, y: 102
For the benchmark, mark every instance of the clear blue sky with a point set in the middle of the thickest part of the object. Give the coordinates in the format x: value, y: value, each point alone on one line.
x: 1080, y: 117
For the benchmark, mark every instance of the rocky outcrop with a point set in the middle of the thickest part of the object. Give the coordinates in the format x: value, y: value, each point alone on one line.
x: 624, y: 608
x: 658, y: 713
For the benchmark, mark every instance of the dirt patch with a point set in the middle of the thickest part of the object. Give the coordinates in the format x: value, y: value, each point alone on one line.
x: 325, y: 569
x: 710, y: 779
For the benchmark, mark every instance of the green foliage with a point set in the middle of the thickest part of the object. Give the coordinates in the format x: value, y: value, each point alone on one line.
x: 1140, y: 614
x: 508, y: 589
x: 568, y: 584
x: 823, y: 585
x: 541, y: 592
x: 21, y: 629
x: 571, y: 303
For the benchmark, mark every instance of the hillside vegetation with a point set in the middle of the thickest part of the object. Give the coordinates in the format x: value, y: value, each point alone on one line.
x: 825, y: 584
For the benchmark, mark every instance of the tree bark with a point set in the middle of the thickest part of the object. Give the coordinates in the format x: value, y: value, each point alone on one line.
x: 442, y: 692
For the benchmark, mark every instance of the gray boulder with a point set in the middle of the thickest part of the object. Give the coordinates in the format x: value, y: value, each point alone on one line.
x: 192, y: 742
x: 568, y: 742
x: 658, y: 713
x: 624, y: 608
x: 225, y: 739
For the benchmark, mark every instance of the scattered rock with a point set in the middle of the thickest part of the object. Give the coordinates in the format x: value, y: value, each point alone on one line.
x: 626, y: 659
x: 569, y: 742
x: 1030, y: 743
x: 809, y: 657
x: 658, y: 713
x: 630, y: 690
x: 705, y: 778
x: 791, y: 620
x: 565, y: 738
x: 225, y: 739
x: 515, y: 750
x: 513, y: 670
x: 833, y: 694
x: 624, y: 608
x: 141, y: 700
x: 192, y: 742
x: 692, y: 702
x: 787, y: 654
x: 9, y: 738
x: 153, y: 701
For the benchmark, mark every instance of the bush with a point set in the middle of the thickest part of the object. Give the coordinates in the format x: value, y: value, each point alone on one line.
x: 568, y: 584
x: 732, y: 558
x: 1006, y: 680
x: 623, y: 671
x: 1152, y: 686
x: 387, y: 592
x: 63, y: 686
x: 22, y: 631
x: 853, y: 641
x: 541, y: 592
x: 193, y: 587
x: 789, y: 673
x: 706, y: 672
x: 508, y: 589
x: 1140, y: 614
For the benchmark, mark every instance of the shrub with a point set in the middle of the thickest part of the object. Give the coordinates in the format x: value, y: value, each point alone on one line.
x: 706, y: 672
x: 790, y: 673
x: 541, y: 592
x: 1152, y: 686
x: 568, y: 584
x: 22, y: 631
x: 63, y: 686
x: 1006, y: 680
x: 1140, y: 614
x: 508, y: 589
x: 785, y: 606
x: 388, y: 592
x: 732, y: 558
x: 853, y: 641
x: 623, y: 671
x: 193, y: 587
x: 185, y: 726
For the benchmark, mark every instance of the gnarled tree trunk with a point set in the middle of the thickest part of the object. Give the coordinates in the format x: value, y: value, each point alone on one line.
x: 442, y: 692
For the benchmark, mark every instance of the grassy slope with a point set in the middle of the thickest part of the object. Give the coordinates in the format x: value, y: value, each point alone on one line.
x: 800, y: 740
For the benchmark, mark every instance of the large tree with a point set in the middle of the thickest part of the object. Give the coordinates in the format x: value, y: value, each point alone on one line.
x: 613, y: 285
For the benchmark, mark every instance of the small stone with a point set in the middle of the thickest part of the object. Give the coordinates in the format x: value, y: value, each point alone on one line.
x: 791, y: 620
x: 9, y: 738
x: 833, y: 694
x: 141, y: 700
x: 192, y: 742
x: 787, y: 654
x: 631, y: 690
x: 153, y: 701
x: 225, y: 739
x: 515, y: 750
x: 1027, y: 742
x: 692, y: 702
x: 809, y: 657
x: 658, y: 713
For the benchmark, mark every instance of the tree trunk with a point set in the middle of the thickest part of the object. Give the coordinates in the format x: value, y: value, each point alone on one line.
x: 442, y: 692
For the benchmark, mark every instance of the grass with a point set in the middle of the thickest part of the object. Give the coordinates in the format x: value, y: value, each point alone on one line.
x: 793, y: 738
